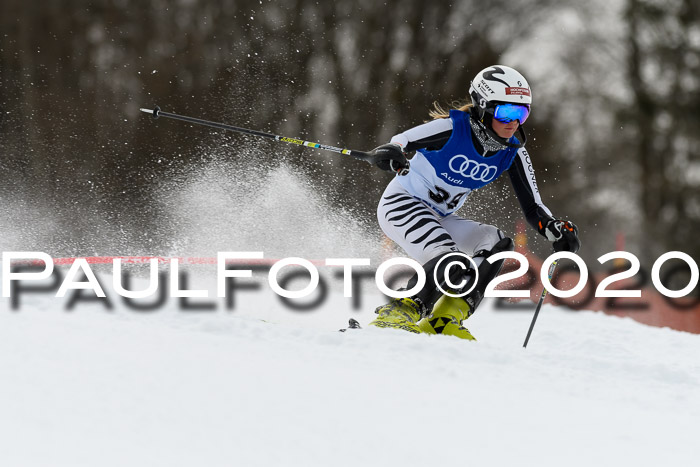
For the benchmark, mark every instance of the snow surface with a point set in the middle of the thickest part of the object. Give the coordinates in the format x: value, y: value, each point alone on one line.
x: 169, y: 387
x: 91, y: 387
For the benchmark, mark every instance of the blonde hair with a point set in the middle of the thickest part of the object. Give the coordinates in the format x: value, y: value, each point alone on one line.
x: 439, y: 111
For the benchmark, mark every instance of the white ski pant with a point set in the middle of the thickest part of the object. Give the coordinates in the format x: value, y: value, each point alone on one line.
x: 423, y: 233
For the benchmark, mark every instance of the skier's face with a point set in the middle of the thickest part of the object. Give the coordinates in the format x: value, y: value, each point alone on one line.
x: 504, y: 130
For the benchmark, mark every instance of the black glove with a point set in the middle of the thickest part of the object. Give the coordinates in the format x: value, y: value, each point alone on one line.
x: 563, y: 234
x: 390, y: 157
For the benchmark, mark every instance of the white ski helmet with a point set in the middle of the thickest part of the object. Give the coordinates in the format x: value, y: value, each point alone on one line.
x: 495, y: 85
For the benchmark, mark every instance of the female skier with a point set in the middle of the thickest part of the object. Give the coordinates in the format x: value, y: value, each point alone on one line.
x: 456, y: 153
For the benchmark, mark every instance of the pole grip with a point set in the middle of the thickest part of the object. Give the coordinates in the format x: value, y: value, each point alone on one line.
x: 363, y: 156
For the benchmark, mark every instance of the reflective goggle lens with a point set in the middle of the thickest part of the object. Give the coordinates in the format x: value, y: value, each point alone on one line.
x: 506, y: 113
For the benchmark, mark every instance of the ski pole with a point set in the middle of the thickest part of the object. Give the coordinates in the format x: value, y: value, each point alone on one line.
x: 156, y: 112
x: 550, y: 273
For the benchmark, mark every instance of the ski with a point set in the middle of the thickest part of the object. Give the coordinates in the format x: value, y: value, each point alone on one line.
x: 352, y: 324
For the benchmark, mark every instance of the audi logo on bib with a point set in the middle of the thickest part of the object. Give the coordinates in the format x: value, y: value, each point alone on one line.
x: 468, y: 168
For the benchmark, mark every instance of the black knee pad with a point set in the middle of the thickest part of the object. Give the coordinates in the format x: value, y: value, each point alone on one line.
x: 431, y: 292
x: 489, y: 271
x: 504, y: 244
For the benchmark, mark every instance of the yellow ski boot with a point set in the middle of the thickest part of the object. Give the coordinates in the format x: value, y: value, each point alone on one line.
x: 446, y: 318
x: 399, y: 313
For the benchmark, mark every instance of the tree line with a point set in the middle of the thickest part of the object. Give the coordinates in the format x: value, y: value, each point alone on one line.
x: 613, y: 133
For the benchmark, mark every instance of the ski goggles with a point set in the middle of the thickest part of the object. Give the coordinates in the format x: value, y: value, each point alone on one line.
x: 506, y: 113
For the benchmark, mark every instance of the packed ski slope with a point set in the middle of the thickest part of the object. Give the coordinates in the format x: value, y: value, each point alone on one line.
x: 91, y: 387
x: 169, y: 387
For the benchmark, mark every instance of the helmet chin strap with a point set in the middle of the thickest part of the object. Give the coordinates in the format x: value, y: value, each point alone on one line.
x: 491, y: 141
